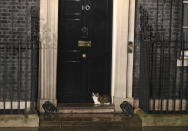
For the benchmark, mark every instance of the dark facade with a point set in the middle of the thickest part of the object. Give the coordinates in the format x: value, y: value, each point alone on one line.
x: 159, y: 43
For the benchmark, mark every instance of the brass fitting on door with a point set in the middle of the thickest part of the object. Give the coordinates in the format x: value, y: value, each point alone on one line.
x: 84, y: 55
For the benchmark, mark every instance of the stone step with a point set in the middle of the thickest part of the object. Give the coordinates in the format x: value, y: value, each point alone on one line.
x: 89, y: 120
x: 85, y: 108
x: 79, y: 123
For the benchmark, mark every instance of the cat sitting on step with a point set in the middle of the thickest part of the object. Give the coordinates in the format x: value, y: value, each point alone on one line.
x: 101, y: 99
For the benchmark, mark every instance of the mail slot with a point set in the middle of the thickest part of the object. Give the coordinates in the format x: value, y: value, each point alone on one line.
x: 84, y: 43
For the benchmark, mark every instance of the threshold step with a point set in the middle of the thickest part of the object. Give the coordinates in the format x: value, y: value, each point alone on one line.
x: 89, y: 120
x: 85, y: 108
x: 81, y: 123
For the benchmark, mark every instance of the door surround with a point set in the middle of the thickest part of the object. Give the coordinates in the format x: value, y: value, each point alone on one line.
x: 49, y: 45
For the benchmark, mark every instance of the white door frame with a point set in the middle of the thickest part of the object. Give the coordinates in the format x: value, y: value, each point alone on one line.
x: 121, y: 86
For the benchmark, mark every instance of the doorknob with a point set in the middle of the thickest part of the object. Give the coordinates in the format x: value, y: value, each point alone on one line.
x: 84, y: 55
x: 87, y: 7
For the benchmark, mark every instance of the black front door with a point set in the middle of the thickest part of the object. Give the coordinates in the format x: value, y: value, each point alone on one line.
x: 84, y: 50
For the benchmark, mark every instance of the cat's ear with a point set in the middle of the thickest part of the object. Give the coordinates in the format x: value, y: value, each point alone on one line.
x: 93, y: 94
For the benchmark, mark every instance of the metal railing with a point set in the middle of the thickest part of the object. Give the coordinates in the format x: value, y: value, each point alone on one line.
x: 163, y: 63
x: 19, y: 69
x: 18, y: 77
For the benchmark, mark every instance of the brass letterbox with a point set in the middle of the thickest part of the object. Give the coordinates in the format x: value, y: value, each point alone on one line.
x: 82, y: 43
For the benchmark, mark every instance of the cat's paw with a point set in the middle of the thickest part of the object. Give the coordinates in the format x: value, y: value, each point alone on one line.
x: 97, y: 103
x: 107, y: 103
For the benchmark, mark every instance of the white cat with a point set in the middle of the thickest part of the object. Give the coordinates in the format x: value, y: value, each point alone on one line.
x: 95, y: 99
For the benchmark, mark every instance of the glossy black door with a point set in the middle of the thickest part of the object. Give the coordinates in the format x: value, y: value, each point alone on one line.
x: 84, y: 52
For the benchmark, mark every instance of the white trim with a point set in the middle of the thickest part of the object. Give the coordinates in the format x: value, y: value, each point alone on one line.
x: 119, y: 55
x: 48, y: 51
x: 130, y: 55
x: 121, y: 29
x: 114, y: 39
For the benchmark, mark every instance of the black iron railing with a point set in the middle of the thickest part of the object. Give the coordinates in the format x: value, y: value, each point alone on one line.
x: 18, y: 74
x: 163, y: 70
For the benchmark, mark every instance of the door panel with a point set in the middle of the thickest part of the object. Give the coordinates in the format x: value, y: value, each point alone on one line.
x: 84, y: 69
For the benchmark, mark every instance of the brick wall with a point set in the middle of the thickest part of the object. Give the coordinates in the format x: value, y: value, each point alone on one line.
x: 19, y: 29
x: 15, y: 19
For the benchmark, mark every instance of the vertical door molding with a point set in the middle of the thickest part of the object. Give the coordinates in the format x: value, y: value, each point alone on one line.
x: 130, y: 55
x: 119, y: 51
x: 48, y: 51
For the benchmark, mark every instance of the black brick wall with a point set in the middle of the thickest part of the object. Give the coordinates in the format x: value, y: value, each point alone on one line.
x: 15, y: 19
x: 153, y: 24
x: 19, y: 29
